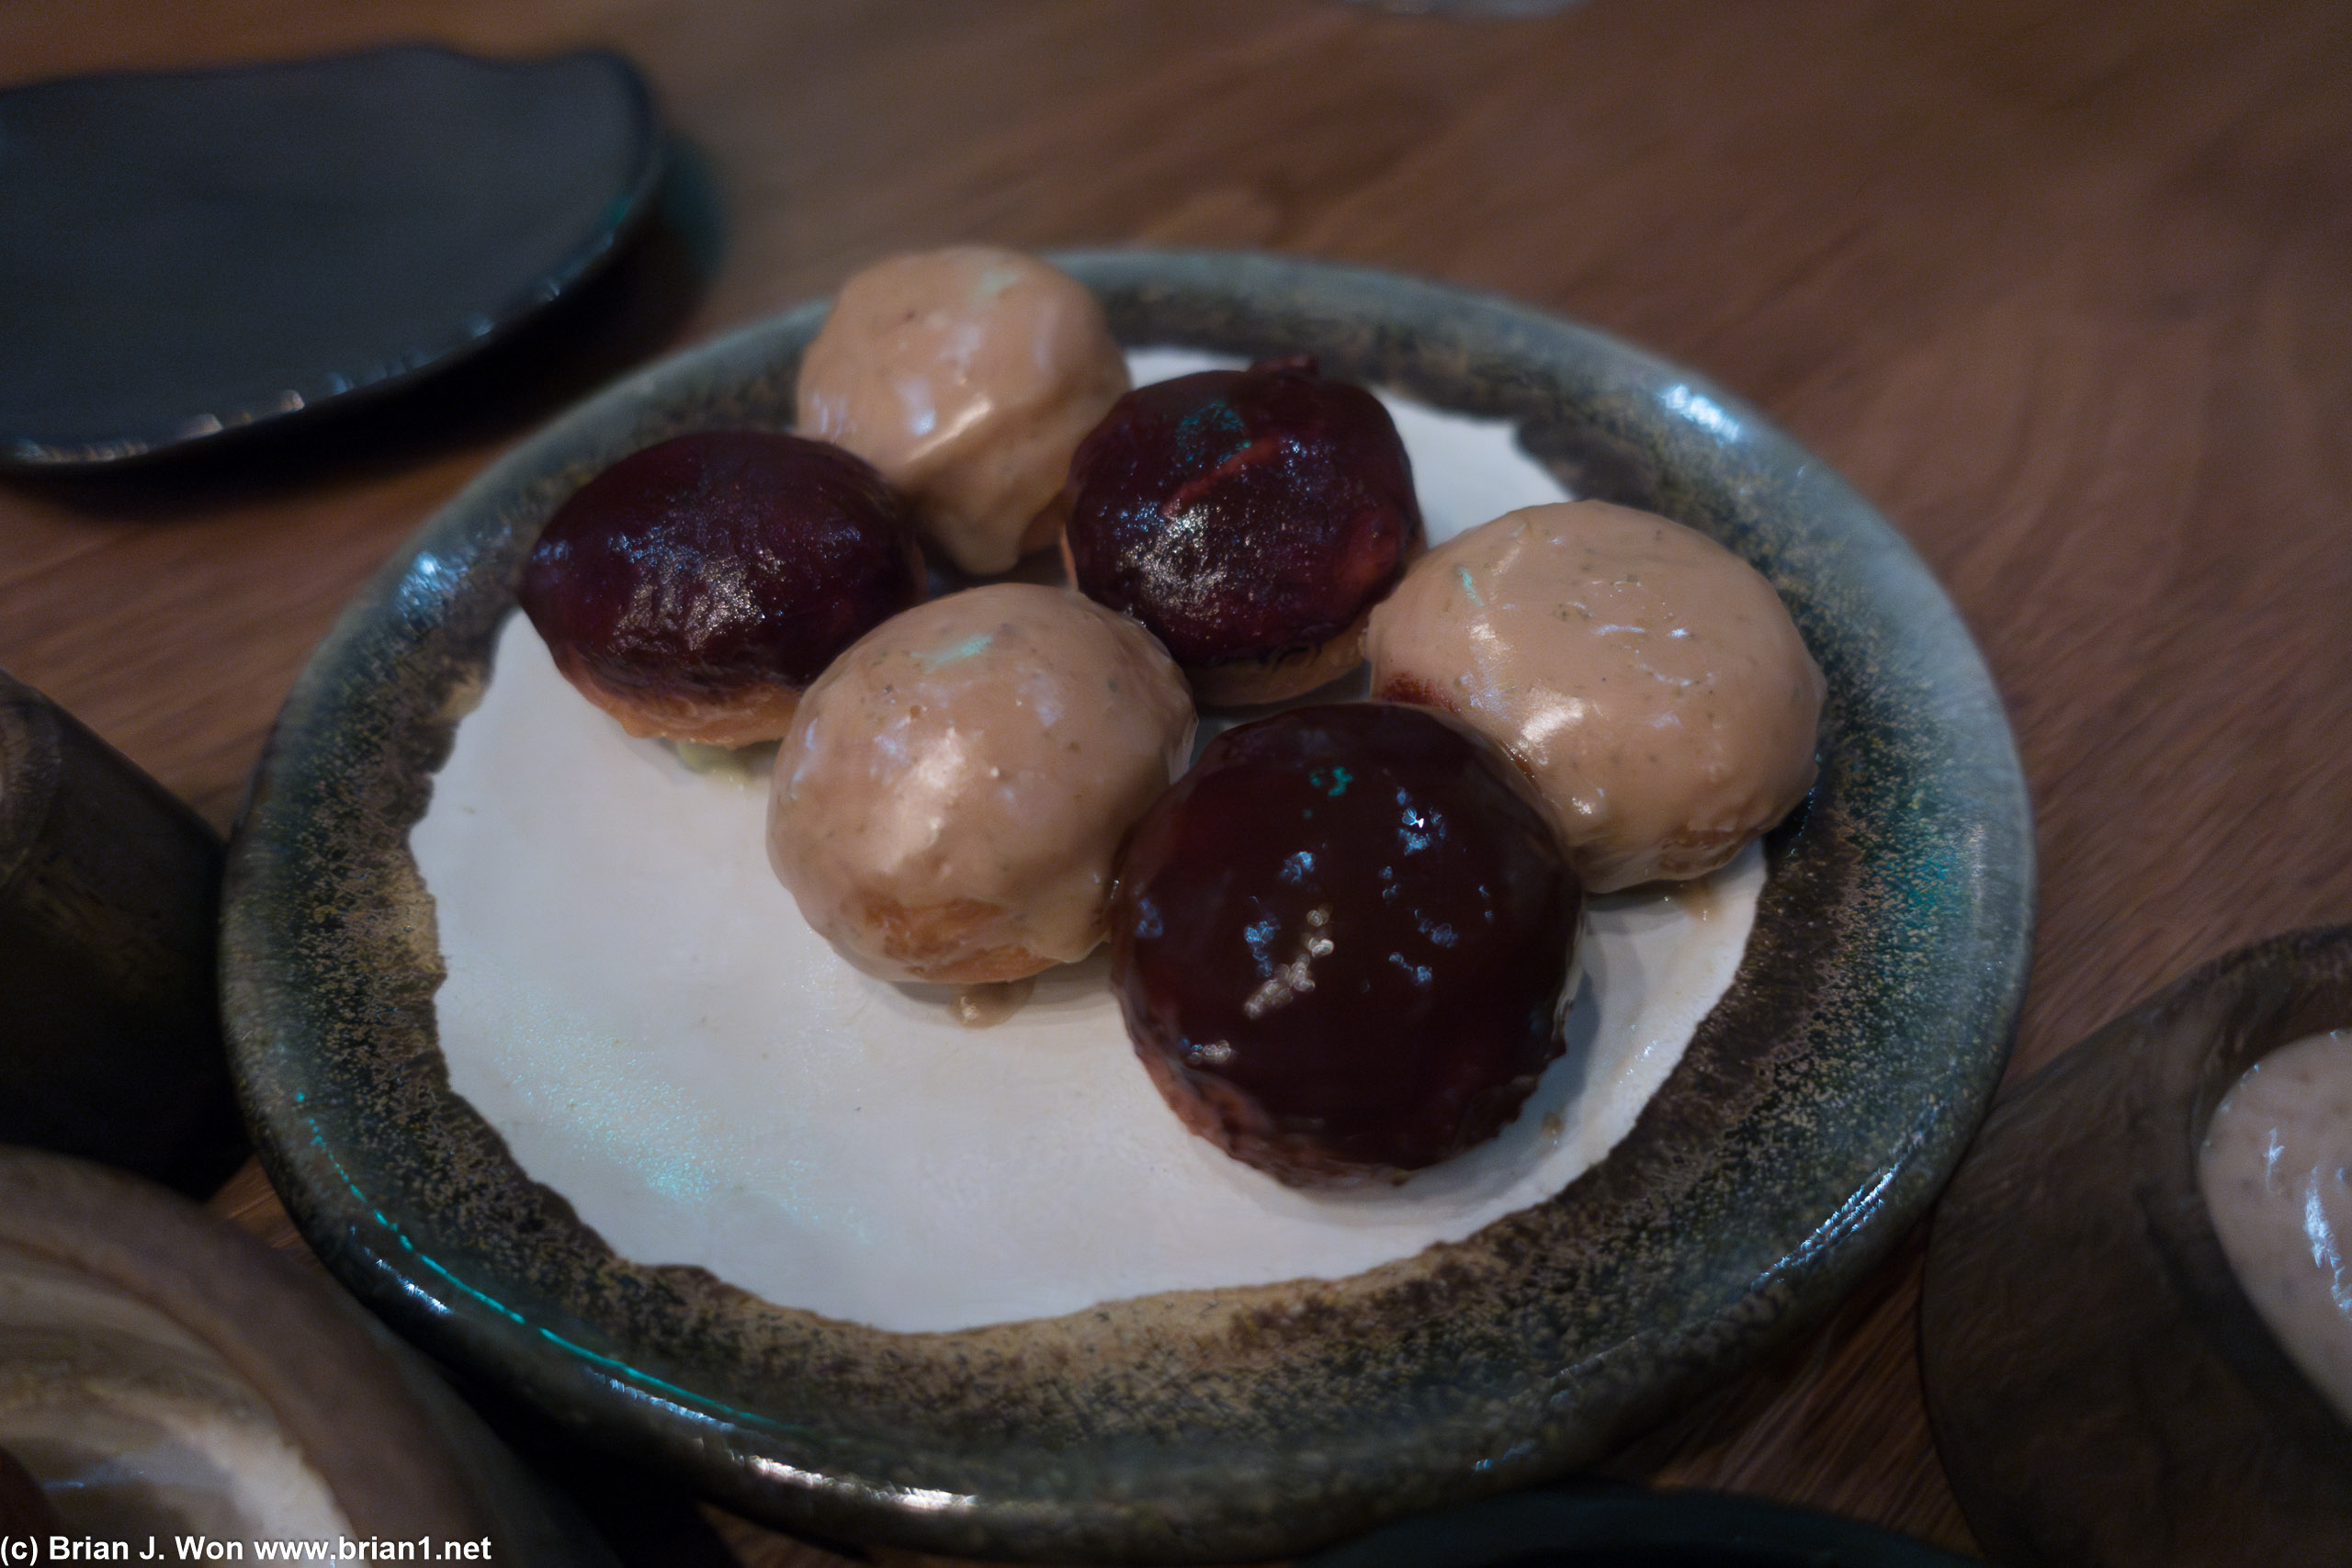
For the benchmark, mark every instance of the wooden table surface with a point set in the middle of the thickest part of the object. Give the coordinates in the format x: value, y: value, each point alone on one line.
x: 2065, y: 289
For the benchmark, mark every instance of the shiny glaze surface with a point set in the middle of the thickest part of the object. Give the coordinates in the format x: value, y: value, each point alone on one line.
x: 1345, y: 934
x: 952, y: 794
x: 2060, y: 287
x: 968, y: 376
x: 1243, y: 514
x: 638, y: 1008
x: 1649, y: 680
x: 720, y: 561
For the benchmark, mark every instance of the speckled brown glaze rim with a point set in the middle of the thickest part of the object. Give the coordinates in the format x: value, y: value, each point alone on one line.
x: 1818, y: 1110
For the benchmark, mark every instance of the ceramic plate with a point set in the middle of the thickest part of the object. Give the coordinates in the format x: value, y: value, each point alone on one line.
x: 190, y: 253
x: 1816, y: 1114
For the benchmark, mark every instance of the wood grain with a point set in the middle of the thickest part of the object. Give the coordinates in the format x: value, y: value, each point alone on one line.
x: 2062, y: 288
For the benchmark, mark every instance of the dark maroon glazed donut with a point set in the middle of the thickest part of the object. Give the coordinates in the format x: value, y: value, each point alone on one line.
x: 1249, y: 518
x: 1341, y: 942
x: 694, y: 588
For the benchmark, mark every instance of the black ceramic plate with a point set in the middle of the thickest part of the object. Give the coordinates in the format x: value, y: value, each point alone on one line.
x: 192, y: 253
x: 1818, y: 1109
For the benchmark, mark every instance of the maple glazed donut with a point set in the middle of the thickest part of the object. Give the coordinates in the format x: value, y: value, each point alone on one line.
x: 968, y: 376
x: 1650, y: 681
x: 692, y: 588
x: 951, y: 798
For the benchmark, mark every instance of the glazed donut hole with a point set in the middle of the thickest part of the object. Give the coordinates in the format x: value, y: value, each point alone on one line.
x: 1250, y: 519
x: 693, y: 589
x: 1649, y: 680
x: 952, y: 794
x: 966, y: 377
x: 1343, y: 943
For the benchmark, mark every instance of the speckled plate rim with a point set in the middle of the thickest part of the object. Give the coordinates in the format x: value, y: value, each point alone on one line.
x: 1820, y: 1108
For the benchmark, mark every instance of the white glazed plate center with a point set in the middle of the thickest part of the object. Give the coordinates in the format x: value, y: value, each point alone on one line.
x: 636, y: 1006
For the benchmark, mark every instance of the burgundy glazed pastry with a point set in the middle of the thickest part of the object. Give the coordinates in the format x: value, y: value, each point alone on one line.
x: 1343, y: 941
x: 1249, y: 518
x: 693, y: 589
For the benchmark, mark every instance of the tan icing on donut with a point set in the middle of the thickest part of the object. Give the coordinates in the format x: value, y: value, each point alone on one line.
x: 1649, y: 680
x: 968, y: 376
x: 952, y: 791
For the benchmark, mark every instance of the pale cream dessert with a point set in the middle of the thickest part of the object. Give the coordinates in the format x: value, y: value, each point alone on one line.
x: 968, y: 376
x: 2276, y: 1170
x: 1648, y: 678
x: 132, y: 1424
x: 951, y: 795
x: 636, y: 1005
